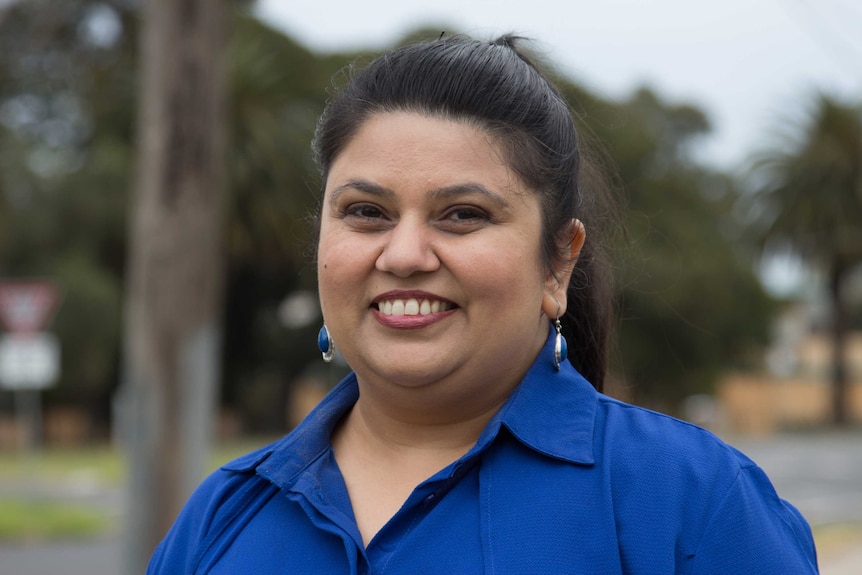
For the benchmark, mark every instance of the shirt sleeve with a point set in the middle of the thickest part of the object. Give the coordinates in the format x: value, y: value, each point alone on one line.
x: 179, y: 549
x: 754, y: 532
x: 210, y: 520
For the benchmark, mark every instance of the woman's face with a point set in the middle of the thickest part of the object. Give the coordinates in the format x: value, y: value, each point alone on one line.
x: 429, y: 257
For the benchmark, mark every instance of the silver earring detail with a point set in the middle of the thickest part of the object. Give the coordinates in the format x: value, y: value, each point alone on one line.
x: 561, y: 347
x: 326, y: 345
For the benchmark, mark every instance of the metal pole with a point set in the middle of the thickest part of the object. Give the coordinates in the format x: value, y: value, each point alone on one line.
x: 28, y: 410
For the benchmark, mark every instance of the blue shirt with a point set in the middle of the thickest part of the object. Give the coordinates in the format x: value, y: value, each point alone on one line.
x: 563, y: 480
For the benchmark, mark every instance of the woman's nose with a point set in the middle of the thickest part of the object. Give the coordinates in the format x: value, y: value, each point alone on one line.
x: 407, y: 250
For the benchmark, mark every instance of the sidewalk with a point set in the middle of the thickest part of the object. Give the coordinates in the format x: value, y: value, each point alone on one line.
x: 100, y: 557
x: 847, y: 563
x: 840, y: 557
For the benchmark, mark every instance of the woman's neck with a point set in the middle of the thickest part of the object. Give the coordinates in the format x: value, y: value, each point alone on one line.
x: 429, y: 432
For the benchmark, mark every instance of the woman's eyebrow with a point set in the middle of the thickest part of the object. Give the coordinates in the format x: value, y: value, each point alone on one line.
x: 445, y: 192
x: 362, y: 186
x: 454, y: 191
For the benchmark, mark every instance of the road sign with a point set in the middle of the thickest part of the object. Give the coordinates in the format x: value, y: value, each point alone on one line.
x: 29, y: 361
x: 26, y: 306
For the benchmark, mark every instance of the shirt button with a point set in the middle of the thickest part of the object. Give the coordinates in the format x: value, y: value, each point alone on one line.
x: 430, y: 498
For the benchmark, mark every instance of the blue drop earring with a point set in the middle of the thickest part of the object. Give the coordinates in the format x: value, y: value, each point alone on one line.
x: 325, y: 344
x: 561, y: 347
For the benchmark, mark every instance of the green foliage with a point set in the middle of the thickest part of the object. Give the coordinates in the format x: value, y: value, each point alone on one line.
x: 65, y: 136
x: 811, y: 197
x: 276, y: 94
x: 88, y: 324
x: 690, y: 305
x: 274, y: 104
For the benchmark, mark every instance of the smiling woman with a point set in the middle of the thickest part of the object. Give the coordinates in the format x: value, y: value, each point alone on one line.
x: 455, y: 259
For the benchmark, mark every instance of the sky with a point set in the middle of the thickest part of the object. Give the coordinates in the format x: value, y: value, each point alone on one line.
x: 751, y: 65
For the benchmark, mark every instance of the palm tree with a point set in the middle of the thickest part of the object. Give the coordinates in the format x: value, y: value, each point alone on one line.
x: 811, y: 204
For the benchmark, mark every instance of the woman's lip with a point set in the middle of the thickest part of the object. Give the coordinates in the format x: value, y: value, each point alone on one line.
x: 410, y: 321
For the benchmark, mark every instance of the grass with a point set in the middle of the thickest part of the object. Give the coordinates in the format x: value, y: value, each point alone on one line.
x: 40, y: 520
x: 33, y: 506
x: 104, y: 464
x: 32, y: 510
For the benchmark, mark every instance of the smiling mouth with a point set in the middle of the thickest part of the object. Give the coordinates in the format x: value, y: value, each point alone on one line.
x: 411, y: 306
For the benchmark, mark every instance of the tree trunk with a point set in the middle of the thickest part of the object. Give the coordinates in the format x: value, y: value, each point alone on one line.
x: 839, y: 333
x: 176, y: 264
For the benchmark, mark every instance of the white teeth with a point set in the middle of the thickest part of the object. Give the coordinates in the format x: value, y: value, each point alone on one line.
x: 412, y: 306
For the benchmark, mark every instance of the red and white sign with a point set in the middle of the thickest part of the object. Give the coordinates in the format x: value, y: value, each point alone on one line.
x: 27, y: 306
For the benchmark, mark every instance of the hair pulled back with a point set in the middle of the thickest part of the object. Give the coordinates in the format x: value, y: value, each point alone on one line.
x: 497, y: 87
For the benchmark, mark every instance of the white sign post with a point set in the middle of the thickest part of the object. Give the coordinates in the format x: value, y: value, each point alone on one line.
x: 29, y: 357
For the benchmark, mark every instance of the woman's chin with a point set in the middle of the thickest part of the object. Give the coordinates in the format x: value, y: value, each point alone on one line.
x: 412, y: 376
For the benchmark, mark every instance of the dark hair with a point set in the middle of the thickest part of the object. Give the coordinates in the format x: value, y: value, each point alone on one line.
x: 496, y: 86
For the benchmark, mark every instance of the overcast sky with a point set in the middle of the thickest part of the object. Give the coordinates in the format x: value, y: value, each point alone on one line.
x: 749, y: 64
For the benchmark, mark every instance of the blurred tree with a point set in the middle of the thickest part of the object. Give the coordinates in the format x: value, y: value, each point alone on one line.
x: 810, y: 202
x: 65, y: 197
x: 276, y: 94
x: 176, y: 263
x: 690, y: 305
x: 65, y: 115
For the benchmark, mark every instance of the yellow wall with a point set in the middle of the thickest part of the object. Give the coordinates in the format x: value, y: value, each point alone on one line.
x: 751, y: 404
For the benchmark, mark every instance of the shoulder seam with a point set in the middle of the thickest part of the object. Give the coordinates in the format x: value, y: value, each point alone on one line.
x: 246, y: 500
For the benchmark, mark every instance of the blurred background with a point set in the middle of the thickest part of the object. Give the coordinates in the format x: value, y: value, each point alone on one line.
x: 733, y: 133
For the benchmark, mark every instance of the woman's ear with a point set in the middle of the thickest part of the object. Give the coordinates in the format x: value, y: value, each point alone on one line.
x: 557, y: 283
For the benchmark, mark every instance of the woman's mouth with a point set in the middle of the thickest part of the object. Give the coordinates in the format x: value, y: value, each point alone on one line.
x: 412, y: 306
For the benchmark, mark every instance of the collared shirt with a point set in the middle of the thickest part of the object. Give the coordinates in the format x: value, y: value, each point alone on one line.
x: 563, y: 480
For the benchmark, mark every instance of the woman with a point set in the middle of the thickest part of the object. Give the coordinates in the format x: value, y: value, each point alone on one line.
x: 451, y: 249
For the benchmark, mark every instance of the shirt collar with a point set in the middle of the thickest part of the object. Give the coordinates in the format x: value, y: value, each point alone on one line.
x: 288, y: 457
x: 552, y: 412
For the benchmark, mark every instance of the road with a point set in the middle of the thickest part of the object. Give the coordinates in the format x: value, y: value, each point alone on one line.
x: 821, y: 474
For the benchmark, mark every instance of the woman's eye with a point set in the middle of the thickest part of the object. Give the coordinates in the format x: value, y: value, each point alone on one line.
x: 465, y: 215
x: 463, y: 219
x: 365, y: 217
x: 365, y: 211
